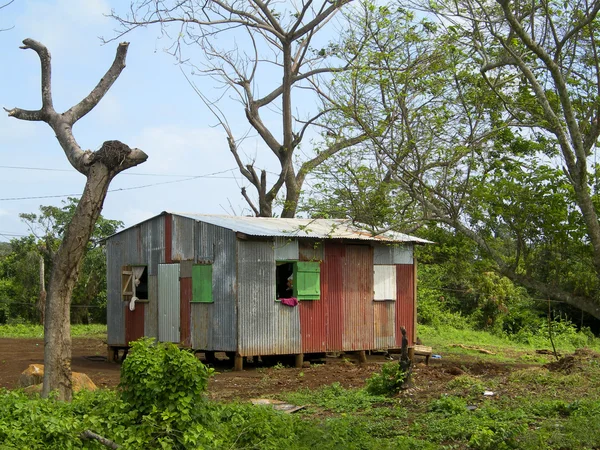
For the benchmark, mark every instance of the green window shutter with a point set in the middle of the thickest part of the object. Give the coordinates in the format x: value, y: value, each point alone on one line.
x: 202, y: 283
x: 307, y: 280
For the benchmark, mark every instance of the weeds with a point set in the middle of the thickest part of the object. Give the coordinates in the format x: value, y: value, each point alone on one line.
x: 37, y: 331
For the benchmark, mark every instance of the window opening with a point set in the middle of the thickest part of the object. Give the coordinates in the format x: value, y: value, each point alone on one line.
x: 140, y: 281
x: 284, y: 284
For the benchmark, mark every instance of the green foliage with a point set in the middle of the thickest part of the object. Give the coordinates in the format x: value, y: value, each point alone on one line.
x: 37, y: 331
x: 37, y: 424
x: 387, y: 382
x: 335, y: 398
x: 19, y: 267
x: 163, y: 388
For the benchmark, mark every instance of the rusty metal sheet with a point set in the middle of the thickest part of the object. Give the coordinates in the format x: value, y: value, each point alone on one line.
x: 168, y: 302
x: 310, y: 250
x: 405, y: 303
x: 358, y: 298
x: 201, y: 326
x: 134, y: 323
x: 151, y: 308
x: 182, y: 244
x: 332, y: 267
x: 301, y: 228
x: 384, y: 319
x: 266, y: 327
x: 185, y: 269
x: 185, y: 287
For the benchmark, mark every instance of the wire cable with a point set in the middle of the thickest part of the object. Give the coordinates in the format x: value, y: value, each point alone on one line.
x: 210, y: 175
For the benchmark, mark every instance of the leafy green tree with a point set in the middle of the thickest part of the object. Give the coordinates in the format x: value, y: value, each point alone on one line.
x: 501, y: 158
x: 48, y: 227
x: 20, y: 263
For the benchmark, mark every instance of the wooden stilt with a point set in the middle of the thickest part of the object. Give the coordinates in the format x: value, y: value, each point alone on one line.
x: 110, y: 354
x: 299, y: 360
x: 239, y: 363
x: 411, y: 353
x: 362, y: 357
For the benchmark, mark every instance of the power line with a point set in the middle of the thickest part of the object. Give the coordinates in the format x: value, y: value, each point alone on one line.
x: 49, y: 169
x: 210, y: 175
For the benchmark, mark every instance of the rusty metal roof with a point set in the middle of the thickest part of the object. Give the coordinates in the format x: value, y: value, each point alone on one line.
x: 301, y: 228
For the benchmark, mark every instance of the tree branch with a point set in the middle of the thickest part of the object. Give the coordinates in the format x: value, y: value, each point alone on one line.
x: 111, y: 75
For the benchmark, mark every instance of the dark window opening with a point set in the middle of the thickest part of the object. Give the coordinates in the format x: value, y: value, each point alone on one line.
x: 284, y: 280
x: 141, y: 288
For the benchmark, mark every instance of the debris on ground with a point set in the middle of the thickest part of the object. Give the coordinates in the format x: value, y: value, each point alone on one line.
x: 277, y: 405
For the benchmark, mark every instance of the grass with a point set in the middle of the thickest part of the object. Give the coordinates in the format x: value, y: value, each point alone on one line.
x: 37, y: 331
x: 444, y: 338
x: 532, y: 407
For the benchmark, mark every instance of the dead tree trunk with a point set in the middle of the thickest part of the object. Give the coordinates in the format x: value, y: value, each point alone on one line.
x: 100, y: 168
x: 41, y: 305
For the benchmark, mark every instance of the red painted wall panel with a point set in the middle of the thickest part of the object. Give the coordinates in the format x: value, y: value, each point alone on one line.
x: 185, y: 311
x: 335, y: 255
x: 134, y: 322
x: 358, y: 298
x: 405, y: 303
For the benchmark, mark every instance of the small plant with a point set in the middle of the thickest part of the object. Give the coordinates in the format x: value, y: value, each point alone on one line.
x: 448, y: 405
x: 388, y: 382
x: 163, y: 387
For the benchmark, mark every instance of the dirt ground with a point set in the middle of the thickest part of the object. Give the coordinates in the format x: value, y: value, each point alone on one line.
x: 89, y: 356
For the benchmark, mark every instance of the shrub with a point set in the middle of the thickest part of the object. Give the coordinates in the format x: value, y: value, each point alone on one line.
x: 163, y: 389
x: 388, y: 382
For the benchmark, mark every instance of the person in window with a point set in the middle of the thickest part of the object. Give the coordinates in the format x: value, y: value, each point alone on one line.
x: 289, y: 289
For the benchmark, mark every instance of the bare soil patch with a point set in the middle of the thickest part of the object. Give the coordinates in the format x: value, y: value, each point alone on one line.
x: 89, y: 357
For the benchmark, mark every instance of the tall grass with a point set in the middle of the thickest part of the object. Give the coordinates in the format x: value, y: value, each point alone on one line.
x: 37, y: 331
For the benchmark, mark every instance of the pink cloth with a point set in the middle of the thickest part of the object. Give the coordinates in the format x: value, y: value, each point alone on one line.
x: 292, y: 301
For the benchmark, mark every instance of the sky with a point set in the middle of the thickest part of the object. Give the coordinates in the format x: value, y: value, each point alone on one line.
x: 151, y: 106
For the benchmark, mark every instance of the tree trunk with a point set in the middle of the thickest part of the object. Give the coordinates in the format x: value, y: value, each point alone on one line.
x: 41, y: 305
x: 57, y: 325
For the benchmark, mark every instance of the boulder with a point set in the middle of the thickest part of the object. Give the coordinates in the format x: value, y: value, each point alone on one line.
x: 32, y: 377
x: 82, y: 382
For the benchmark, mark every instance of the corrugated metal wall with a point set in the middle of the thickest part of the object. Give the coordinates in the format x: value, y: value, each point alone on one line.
x: 393, y: 254
x: 214, y: 325
x: 384, y: 277
x: 266, y: 327
x: 121, y: 250
x: 151, y: 308
x: 182, y: 242
x: 286, y: 249
x: 134, y: 323
x: 311, y: 250
x: 313, y: 314
x: 168, y: 302
x: 384, y: 314
x: 152, y: 244
x: 405, y: 306
x: 185, y: 311
x: 358, y: 302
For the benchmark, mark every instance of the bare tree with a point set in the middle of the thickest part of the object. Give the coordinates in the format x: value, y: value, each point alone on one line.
x: 262, y: 38
x: 99, y: 167
x: 2, y: 6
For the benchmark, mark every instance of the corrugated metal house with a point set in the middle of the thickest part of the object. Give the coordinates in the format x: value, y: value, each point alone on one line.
x: 215, y: 283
